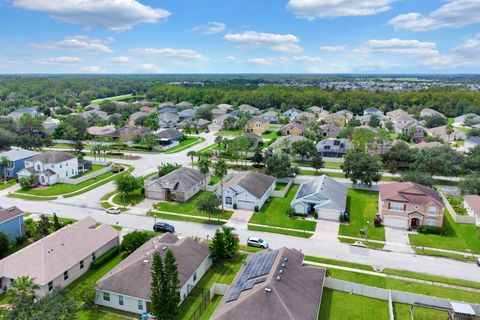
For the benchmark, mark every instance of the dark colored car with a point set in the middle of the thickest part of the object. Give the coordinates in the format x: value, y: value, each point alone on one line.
x: 163, y: 227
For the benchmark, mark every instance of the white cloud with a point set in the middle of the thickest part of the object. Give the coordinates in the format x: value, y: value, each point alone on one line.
x: 231, y: 58
x: 115, y: 15
x: 92, y: 69
x: 170, y: 53
x: 64, y: 60
x: 335, y: 67
x: 399, y: 46
x: 121, y: 59
x: 468, y: 53
x: 312, y: 9
x: 333, y: 48
x: 77, y: 43
x: 307, y: 59
x: 453, y: 14
x: 212, y: 28
x: 270, y: 61
x: 276, y: 42
x: 146, y: 67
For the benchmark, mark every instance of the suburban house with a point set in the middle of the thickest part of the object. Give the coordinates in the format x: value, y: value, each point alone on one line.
x: 409, y: 205
x: 257, y: 125
x: 307, y: 116
x: 48, y: 167
x: 460, y: 121
x: 333, y: 147
x: 292, y: 113
x: 101, y: 132
x: 61, y: 257
x: 136, y: 115
x: 247, y: 190
x: 284, y: 143
x: 442, y: 133
x: 294, y: 128
x: 94, y: 113
x: 168, y: 136
x: 126, y: 134
x: 179, y: 185
x: 167, y: 110
x: 273, y: 285
x: 323, y: 195
x: 127, y: 287
x: 148, y: 109
x: 248, y: 108
x: 427, y: 112
x: 270, y: 116
x: 218, y: 113
x: 166, y: 104
x: 187, y: 114
x: 16, y: 158
x: 198, y: 124
x: 225, y: 107
x: 319, y: 112
x: 168, y: 120
x: 329, y: 130
x: 338, y: 118
x: 184, y: 104
x: 471, y: 142
x: 217, y: 123
x: 471, y: 203
x: 373, y: 111
x: 17, y: 114
x: 403, y: 122
x: 11, y: 222
x: 396, y: 113
x: 254, y: 139
x: 427, y: 145
x: 49, y: 125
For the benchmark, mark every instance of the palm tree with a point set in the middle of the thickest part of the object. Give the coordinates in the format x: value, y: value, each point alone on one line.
x: 219, y: 140
x: 203, y: 166
x: 221, y: 171
x: 449, y: 131
x: 191, y: 154
x: 22, y: 288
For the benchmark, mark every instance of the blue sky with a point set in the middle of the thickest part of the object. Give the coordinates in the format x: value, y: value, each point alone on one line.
x: 240, y: 36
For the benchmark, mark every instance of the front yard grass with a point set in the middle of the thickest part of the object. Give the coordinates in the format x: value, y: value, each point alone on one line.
x: 274, y: 213
x: 338, y: 305
x: 362, y: 206
x: 186, y: 218
x: 270, y: 135
x: 190, y: 207
x: 10, y: 183
x: 188, y: 142
x: 281, y: 231
x: 233, y: 133
x: 458, y: 237
x: 133, y: 198
x: 95, y: 167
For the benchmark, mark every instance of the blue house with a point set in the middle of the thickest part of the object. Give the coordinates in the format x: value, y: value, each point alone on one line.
x: 11, y: 222
x: 292, y: 113
x: 373, y: 111
x: 17, y: 159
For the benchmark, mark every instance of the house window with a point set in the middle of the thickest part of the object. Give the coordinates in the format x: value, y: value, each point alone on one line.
x: 326, y: 147
x: 60, y: 166
x: 120, y: 300
x: 93, y: 256
x: 106, y: 296
x: 432, y: 210
x: 65, y: 275
x: 66, y: 164
x: 194, y: 276
x: 140, y: 305
x: 336, y: 143
x: 50, y: 286
x: 228, y: 200
x: 81, y: 264
x: 397, y: 206
x: 431, y: 223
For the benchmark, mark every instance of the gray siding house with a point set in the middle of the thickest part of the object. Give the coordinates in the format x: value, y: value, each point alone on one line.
x: 333, y: 147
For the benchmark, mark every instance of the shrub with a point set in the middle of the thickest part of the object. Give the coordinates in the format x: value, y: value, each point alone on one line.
x: 341, y: 217
x: 24, y: 183
x: 104, y: 258
x: 235, y: 206
x: 117, y: 168
x: 315, y: 214
x: 21, y: 239
x: 133, y: 240
x: 255, y: 208
x: 431, y: 230
x: 291, y: 212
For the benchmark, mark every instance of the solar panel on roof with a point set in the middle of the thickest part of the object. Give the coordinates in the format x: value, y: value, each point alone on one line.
x: 259, y: 265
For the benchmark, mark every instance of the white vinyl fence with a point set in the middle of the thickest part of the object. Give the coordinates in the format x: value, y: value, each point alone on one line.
x: 216, y: 186
x: 218, y: 288
x: 88, y: 176
x: 282, y: 193
x: 457, y: 217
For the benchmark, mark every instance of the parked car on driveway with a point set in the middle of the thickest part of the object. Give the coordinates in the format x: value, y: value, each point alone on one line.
x: 257, y: 242
x: 113, y: 210
x: 163, y: 227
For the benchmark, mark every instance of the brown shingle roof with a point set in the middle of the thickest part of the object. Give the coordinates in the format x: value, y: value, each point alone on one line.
x: 410, y: 192
x: 9, y: 213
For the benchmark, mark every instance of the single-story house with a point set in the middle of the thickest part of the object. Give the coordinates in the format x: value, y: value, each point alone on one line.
x: 427, y: 112
x: 307, y: 116
x: 127, y: 287
x: 217, y: 122
x: 11, y: 222
x: 61, y: 257
x: 101, y: 131
x: 179, y: 185
x: 49, y: 125
x: 442, y: 133
x: 225, y: 107
x: 471, y: 203
x: 248, y: 190
x: 92, y: 113
x: 471, y: 142
x: 284, y: 143
x: 17, y: 114
x: 17, y: 159
x: 271, y: 116
x: 168, y: 120
x: 136, y: 115
x: 166, y: 104
x: 323, y: 195
x: 128, y: 133
x: 333, y: 147
x: 273, y: 285
x: 373, y: 111
x: 294, y: 128
x: 394, y: 114
x: 253, y: 138
x: 198, y: 124
x: 248, y: 108
x: 257, y: 125
x: 338, y: 118
x: 216, y: 113
x: 48, y: 167
x: 427, y: 145
x: 292, y: 113
x: 460, y: 121
x: 187, y: 114
x: 148, y: 109
x: 167, y: 110
x: 168, y: 136
x: 409, y: 205
x: 329, y: 130
x: 184, y: 104
x: 319, y: 112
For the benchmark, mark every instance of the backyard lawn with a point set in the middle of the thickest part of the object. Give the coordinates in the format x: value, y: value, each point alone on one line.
x: 459, y: 237
x: 362, y: 206
x: 274, y: 213
x: 189, y: 141
x: 338, y: 305
x: 402, y: 312
x: 189, y: 207
x: 280, y: 186
x: 270, y: 135
x: 95, y: 167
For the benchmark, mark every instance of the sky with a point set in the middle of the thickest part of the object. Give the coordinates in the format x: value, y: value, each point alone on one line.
x: 240, y: 36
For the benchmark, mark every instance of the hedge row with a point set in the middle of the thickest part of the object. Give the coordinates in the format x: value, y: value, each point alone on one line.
x: 104, y: 258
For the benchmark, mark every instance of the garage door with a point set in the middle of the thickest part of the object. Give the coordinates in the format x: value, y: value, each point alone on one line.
x: 396, y: 222
x: 247, y: 205
x: 158, y: 195
x: 329, y: 214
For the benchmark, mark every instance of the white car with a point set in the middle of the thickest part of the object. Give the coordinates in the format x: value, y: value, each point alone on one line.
x: 113, y: 210
x: 257, y: 242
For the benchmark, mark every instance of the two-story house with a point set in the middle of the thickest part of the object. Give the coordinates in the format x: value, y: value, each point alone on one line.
x: 292, y: 113
x: 271, y: 116
x: 168, y: 120
x: 48, y: 167
x: 257, y: 125
x: 294, y: 128
x: 333, y: 147
x: 11, y: 222
x: 16, y: 158
x: 409, y: 205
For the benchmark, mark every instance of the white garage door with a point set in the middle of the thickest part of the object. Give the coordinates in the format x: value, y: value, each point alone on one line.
x: 247, y: 205
x: 329, y: 214
x: 396, y: 222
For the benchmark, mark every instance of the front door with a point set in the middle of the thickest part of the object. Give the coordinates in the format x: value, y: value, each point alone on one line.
x: 415, y: 222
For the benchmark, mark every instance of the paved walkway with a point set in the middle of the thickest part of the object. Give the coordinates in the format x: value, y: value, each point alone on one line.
x: 326, y: 230
x: 397, y: 240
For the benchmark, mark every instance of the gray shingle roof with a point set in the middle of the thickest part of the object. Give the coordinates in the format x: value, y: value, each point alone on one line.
x: 254, y: 182
x: 52, y: 157
x: 132, y: 277
x: 168, y: 134
x: 181, y: 179
x: 326, y: 187
x: 473, y: 140
x: 18, y: 154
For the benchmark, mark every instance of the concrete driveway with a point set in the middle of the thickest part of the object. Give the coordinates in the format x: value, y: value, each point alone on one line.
x: 397, y: 240
x: 326, y: 230
x: 239, y: 219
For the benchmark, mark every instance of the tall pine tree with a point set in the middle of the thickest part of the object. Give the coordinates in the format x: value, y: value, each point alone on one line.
x: 171, y: 285
x: 158, y: 278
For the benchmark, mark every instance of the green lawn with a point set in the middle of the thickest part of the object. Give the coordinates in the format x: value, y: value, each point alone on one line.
x: 402, y: 312
x: 95, y: 167
x: 214, y: 180
x: 280, y: 186
x: 27, y: 197
x: 270, y: 135
x: 274, y: 213
x: 133, y: 198
x: 116, y: 98
x: 190, y: 207
x: 185, y: 218
x: 211, y: 307
x: 369, y: 244
x: 190, y: 141
x: 281, y: 231
x: 224, y: 273
x: 338, y: 305
x: 459, y: 237
x: 362, y: 206
x: 233, y: 133
x: 8, y: 184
